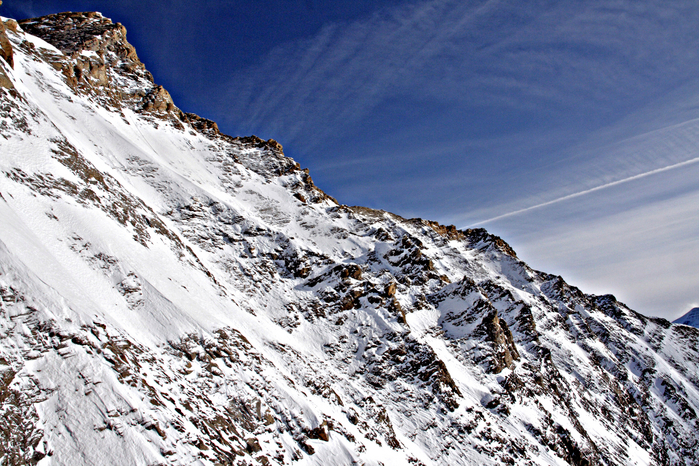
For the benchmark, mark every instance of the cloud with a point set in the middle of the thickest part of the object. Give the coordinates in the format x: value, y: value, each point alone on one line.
x: 589, y: 191
x: 470, y: 110
x: 638, y: 240
x: 656, y: 137
x: 539, y: 57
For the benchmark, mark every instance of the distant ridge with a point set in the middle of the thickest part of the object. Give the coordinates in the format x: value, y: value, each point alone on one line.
x: 691, y: 318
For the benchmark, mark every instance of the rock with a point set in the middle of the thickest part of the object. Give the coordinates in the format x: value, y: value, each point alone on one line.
x: 73, y: 32
x: 351, y: 271
x: 320, y: 432
x: 158, y: 100
x: 253, y: 445
x: 203, y: 125
x: 274, y: 145
x: 450, y: 232
x: 12, y: 25
x: 261, y: 143
x: 480, y: 235
x: 395, y: 308
x: 5, y: 80
x: 348, y: 302
x: 382, y: 235
x: 497, y: 332
x: 5, y: 47
x: 98, y: 72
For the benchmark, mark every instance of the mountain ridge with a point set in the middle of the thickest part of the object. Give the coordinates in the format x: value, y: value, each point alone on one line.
x: 691, y: 318
x: 173, y: 295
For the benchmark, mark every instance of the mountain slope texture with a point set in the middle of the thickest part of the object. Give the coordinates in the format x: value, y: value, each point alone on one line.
x: 691, y: 318
x: 173, y: 295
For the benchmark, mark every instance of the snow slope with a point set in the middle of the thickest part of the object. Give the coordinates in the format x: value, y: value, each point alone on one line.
x: 173, y: 295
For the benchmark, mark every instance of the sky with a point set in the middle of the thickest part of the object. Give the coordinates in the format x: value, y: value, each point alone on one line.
x: 568, y: 128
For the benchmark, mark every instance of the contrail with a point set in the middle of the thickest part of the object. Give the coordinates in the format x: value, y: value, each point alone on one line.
x: 587, y: 191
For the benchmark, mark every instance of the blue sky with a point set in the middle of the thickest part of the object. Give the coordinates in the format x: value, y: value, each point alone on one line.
x: 568, y: 128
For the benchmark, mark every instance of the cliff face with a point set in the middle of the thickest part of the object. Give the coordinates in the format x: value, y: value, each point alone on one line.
x: 174, y: 295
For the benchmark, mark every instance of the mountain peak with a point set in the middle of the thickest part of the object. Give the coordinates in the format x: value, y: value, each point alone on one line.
x: 691, y: 318
x: 72, y: 32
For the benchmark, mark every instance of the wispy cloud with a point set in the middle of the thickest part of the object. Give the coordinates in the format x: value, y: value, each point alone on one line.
x: 588, y: 191
x: 547, y: 57
x: 638, y: 240
x: 471, y: 110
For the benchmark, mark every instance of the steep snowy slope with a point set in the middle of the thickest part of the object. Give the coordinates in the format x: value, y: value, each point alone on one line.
x: 173, y: 295
x: 691, y: 318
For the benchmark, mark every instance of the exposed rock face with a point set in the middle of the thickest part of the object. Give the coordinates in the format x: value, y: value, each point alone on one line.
x: 5, y: 82
x: 173, y: 295
x: 73, y: 33
x: 5, y: 46
x: 98, y: 59
x: 158, y: 100
x: 6, y: 53
x: 495, y: 330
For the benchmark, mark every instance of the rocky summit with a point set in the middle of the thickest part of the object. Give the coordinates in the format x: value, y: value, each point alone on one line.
x: 171, y: 295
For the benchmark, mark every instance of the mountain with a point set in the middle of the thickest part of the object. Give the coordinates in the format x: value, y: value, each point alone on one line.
x: 691, y: 318
x: 174, y: 295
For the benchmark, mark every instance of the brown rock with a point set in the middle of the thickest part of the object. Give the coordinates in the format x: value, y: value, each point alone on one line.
x: 255, y: 141
x: 348, y: 302
x: 274, y: 145
x: 72, y: 32
x: 158, y: 100
x: 11, y: 24
x: 351, y: 271
x: 5, y: 47
x: 203, y: 125
x: 320, y: 432
x: 253, y: 445
x: 499, y: 334
x: 480, y: 235
x: 98, y: 72
x: 395, y: 307
x: 5, y: 81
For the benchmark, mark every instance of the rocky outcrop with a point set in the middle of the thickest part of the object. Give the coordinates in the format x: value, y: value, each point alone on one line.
x: 158, y: 100
x: 254, y: 141
x: 73, y: 33
x: 5, y: 46
x: 98, y: 58
x: 496, y: 331
x: 6, y: 53
x: 98, y: 61
x: 480, y: 237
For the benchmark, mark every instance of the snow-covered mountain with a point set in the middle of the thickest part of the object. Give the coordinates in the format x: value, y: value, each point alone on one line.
x: 174, y: 295
x: 691, y: 318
